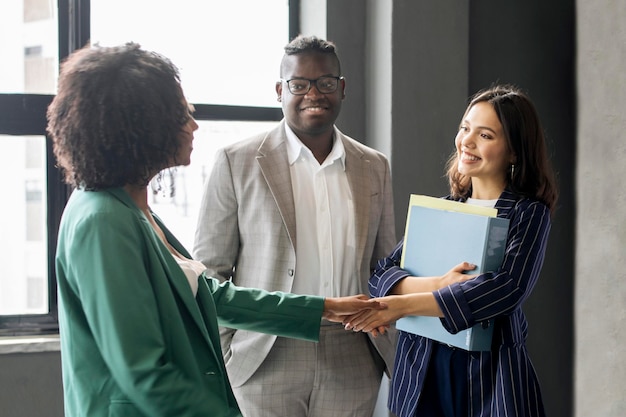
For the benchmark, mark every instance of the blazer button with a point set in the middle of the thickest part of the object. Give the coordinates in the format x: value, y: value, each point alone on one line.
x: 290, y: 272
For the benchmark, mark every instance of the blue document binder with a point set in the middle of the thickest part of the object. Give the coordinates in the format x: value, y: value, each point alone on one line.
x: 440, y: 234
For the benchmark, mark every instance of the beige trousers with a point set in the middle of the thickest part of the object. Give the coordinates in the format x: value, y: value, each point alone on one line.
x: 337, y: 377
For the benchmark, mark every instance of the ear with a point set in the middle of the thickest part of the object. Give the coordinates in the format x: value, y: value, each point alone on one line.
x: 279, y: 90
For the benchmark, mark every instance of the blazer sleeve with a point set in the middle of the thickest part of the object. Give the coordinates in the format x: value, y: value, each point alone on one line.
x: 109, y: 271
x: 386, y: 234
x: 216, y: 242
x: 387, y: 273
x: 277, y: 313
x: 500, y: 292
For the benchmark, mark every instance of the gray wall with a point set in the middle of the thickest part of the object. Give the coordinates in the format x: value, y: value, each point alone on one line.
x: 30, y: 385
x: 600, y: 296
x: 407, y: 98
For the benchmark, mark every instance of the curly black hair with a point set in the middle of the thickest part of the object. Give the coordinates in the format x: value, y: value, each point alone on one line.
x: 310, y: 44
x: 116, y: 116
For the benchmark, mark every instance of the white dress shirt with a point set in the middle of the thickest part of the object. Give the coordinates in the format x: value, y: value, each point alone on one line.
x: 325, y: 227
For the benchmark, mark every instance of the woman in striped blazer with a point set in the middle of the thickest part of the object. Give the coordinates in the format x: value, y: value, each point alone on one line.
x: 500, y: 161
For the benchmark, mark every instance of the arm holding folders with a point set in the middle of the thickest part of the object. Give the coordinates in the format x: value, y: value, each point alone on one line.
x: 433, y: 245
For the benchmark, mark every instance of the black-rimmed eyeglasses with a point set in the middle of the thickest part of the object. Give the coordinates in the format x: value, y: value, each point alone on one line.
x: 301, y: 86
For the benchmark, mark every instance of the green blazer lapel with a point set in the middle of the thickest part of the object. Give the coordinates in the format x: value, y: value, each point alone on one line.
x: 174, y: 274
x: 207, y: 307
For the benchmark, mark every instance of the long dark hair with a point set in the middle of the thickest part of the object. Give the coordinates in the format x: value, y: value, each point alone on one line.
x: 532, y: 175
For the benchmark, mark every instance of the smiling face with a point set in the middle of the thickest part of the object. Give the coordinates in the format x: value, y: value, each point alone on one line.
x: 483, y: 151
x: 312, y: 115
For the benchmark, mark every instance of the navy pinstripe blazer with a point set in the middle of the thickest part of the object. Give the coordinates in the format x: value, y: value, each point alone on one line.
x: 503, y: 381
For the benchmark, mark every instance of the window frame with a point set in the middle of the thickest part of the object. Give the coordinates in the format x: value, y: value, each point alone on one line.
x: 25, y: 114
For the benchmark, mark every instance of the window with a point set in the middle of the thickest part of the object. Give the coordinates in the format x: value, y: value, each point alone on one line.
x: 29, y: 47
x: 228, y: 56
x: 228, y: 51
x: 177, y: 202
x: 23, y: 270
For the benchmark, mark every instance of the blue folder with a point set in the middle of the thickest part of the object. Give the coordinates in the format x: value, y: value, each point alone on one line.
x: 440, y: 234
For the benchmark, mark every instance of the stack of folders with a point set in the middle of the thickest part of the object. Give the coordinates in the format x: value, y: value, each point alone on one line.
x: 440, y: 234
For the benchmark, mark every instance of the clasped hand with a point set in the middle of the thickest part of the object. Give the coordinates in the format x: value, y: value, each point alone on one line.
x: 377, y: 322
x: 337, y: 309
x: 410, y: 296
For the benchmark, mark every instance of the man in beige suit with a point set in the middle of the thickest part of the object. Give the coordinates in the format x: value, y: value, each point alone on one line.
x: 305, y: 209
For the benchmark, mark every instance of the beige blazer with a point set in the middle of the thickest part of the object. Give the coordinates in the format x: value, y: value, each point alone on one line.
x: 247, y: 229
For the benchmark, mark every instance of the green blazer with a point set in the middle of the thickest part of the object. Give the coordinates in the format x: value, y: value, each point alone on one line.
x: 134, y: 340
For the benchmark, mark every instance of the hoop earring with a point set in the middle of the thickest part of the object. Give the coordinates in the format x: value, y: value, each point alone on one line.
x: 512, y: 170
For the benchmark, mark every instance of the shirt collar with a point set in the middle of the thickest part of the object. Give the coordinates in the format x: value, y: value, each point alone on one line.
x: 295, y: 147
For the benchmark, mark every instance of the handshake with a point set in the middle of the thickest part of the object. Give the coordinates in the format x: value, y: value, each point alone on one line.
x: 358, y: 313
x: 414, y: 297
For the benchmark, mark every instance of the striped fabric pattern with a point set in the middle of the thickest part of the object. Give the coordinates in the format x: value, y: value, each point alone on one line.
x: 503, y: 381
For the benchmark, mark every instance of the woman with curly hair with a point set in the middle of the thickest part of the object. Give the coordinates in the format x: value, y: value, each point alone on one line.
x: 500, y: 160
x: 138, y: 318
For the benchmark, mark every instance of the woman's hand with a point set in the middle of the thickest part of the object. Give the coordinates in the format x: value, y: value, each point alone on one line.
x: 377, y: 321
x: 412, y: 285
x: 412, y: 298
x: 456, y: 274
x: 338, y: 308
